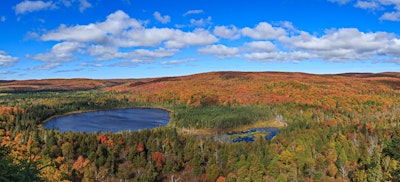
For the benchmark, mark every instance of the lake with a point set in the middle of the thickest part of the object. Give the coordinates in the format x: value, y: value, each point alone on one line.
x: 110, y: 120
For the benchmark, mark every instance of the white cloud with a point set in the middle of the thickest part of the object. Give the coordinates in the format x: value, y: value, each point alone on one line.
x: 279, y: 56
x: 340, y: 1
x: 122, y: 31
x: 172, y: 38
x: 31, y: 6
x: 163, y: 19
x: 198, y: 37
x: 83, y: 5
x: 91, y: 64
x: 145, y: 37
x: 61, y: 52
x: 120, y: 37
x: 103, y: 53
x: 3, y: 19
x: 115, y: 24
x: 220, y: 51
x: 201, y: 22
x: 367, y: 4
x: 176, y: 62
x: 345, y: 38
x: 391, y: 16
x: 47, y: 66
x: 261, y: 46
x: 128, y: 40
x: 151, y: 54
x: 132, y: 63
x: 390, y: 8
x: 227, y: 32
x: 264, y: 31
x: 7, y: 60
x: 108, y: 53
x: 195, y: 11
x: 346, y: 44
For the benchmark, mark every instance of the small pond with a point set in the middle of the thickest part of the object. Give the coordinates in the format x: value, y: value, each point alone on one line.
x: 250, y: 135
x: 110, y: 120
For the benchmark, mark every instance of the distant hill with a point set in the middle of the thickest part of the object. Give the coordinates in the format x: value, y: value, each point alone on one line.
x: 55, y: 85
x: 224, y: 88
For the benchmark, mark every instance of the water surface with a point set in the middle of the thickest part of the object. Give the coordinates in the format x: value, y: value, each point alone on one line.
x: 250, y: 135
x: 110, y: 120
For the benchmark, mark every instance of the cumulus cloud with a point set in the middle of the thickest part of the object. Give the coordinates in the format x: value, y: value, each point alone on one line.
x: 108, y: 53
x: 163, y: 19
x: 346, y: 44
x: 61, y: 52
x: 125, y: 39
x: 114, y: 25
x: 220, y: 51
x: 391, y: 16
x: 171, y: 38
x: 122, y: 31
x: 227, y: 32
x: 31, y: 6
x: 201, y: 22
x: 390, y: 8
x: 336, y: 45
x: 264, y: 31
x: 83, y: 4
x: 198, y: 37
x: 7, y: 60
x: 151, y: 54
x: 119, y: 37
x: 367, y: 4
x: 191, y: 12
x: 266, y: 46
x: 103, y: 52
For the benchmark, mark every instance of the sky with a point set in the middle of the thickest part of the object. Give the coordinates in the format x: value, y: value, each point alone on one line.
x: 102, y: 39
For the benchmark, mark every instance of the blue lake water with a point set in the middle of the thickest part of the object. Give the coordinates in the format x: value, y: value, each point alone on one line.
x: 110, y: 120
x: 249, y: 135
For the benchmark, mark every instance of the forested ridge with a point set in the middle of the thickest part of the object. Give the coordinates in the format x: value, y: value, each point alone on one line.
x: 341, y: 127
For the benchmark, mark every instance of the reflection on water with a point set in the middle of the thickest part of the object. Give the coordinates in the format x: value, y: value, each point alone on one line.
x: 110, y: 120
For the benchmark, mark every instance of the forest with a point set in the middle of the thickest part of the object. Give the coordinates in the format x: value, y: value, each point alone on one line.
x: 343, y: 127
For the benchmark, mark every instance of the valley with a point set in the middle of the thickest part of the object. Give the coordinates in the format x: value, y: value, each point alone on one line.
x: 342, y: 127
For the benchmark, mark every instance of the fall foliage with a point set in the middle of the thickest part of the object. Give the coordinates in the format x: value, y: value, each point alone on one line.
x: 341, y: 127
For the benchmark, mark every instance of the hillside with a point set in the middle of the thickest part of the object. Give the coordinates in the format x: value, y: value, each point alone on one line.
x: 342, y: 127
x: 246, y: 88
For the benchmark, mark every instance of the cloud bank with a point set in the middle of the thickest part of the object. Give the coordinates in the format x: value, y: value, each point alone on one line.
x: 129, y: 42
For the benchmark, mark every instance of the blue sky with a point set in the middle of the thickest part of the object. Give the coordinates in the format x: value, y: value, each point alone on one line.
x: 136, y: 39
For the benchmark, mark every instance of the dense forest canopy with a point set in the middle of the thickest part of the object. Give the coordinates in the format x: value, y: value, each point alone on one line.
x: 333, y: 128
